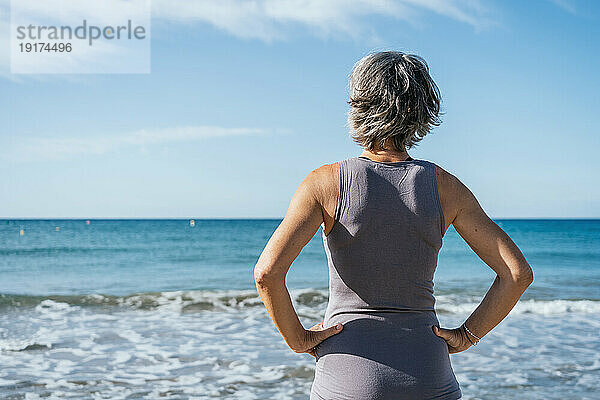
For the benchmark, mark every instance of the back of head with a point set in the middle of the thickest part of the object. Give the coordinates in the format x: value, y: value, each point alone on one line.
x: 393, y: 100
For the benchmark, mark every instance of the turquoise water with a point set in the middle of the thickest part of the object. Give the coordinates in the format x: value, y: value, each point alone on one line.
x: 149, y: 308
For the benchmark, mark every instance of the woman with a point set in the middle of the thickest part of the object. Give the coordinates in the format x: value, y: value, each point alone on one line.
x: 384, y: 215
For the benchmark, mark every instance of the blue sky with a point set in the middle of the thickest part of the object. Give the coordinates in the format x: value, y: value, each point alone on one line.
x: 244, y: 101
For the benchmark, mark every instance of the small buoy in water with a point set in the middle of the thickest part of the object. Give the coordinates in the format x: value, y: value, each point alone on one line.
x: 22, y: 232
x: 88, y: 222
x: 57, y: 228
x: 192, y: 223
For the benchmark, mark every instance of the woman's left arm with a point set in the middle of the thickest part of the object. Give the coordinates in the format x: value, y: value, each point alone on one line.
x: 301, y: 222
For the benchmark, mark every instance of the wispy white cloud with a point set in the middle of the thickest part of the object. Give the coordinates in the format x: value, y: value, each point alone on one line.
x: 43, y: 148
x: 264, y: 20
x: 268, y: 20
x: 566, y: 5
x: 271, y: 20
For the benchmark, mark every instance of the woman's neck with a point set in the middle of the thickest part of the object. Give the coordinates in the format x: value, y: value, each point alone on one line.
x: 385, y: 155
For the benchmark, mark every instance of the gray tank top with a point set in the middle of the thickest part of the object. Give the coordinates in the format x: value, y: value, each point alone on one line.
x: 383, y: 248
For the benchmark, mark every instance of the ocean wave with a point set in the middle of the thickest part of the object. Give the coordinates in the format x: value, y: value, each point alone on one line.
x: 23, y: 345
x: 236, y: 300
x: 531, y: 306
x: 183, y: 301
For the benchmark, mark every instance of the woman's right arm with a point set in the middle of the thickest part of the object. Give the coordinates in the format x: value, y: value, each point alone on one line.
x: 498, y: 251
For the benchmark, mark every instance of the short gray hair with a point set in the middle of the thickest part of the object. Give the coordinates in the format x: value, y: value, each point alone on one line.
x: 392, y: 97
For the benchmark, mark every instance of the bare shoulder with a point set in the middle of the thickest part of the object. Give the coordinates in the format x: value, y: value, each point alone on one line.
x: 326, y: 170
x: 454, y: 194
x: 324, y: 183
x: 448, y: 181
x: 322, y: 179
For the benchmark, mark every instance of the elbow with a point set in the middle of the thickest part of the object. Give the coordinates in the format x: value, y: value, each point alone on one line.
x: 264, y: 276
x: 523, y: 277
x: 528, y: 278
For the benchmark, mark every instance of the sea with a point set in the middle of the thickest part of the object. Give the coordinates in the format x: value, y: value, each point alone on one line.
x: 168, y: 309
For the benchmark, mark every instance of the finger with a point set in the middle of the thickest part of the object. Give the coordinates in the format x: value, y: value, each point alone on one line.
x: 317, y: 327
x: 324, y: 334
x: 446, y: 334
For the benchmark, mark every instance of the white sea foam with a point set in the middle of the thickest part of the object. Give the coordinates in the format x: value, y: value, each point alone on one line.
x: 222, y: 344
x: 306, y: 300
x: 451, y: 304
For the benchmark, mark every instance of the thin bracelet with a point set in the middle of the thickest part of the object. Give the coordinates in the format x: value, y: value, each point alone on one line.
x: 471, y: 333
x: 470, y: 341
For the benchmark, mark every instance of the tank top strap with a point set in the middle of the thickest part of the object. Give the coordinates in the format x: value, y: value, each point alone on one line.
x: 345, y: 167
